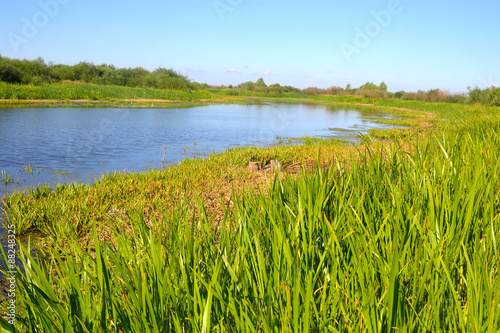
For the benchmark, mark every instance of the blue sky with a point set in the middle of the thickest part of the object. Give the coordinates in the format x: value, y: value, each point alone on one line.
x: 410, y: 45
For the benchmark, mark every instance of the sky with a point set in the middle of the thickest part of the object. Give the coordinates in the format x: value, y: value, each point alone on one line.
x: 408, y: 44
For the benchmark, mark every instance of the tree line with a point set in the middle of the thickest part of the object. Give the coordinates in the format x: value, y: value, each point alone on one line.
x: 37, y: 72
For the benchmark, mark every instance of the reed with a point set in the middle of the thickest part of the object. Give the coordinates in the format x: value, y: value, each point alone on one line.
x: 6, y: 178
x: 91, y: 92
x: 164, y: 152
x: 28, y: 169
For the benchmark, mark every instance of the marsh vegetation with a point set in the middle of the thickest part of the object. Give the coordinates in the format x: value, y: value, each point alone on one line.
x: 35, y: 79
x: 398, y: 234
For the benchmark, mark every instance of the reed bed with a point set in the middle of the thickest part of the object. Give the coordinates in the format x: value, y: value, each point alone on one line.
x: 398, y: 236
x: 82, y: 91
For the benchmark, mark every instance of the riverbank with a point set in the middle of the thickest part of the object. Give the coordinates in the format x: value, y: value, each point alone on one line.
x: 193, y: 175
x: 398, y: 233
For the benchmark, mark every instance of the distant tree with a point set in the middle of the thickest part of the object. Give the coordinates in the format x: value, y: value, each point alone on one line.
x: 488, y: 96
x: 433, y: 95
x: 369, y: 86
x: 399, y: 94
x: 313, y: 91
x: 276, y: 88
x: 247, y: 85
x: 163, y: 78
x: 260, y: 83
x: 383, y: 86
x: 85, y: 71
x: 9, y: 73
x: 334, y: 90
x: 291, y: 89
x: 62, y: 72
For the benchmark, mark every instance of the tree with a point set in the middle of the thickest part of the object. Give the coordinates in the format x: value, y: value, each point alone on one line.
x: 249, y: 85
x: 9, y: 73
x: 383, y: 86
x: 399, y: 94
x: 369, y: 86
x: 260, y: 83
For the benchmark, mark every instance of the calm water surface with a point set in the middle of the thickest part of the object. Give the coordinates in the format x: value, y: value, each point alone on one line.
x: 80, y: 144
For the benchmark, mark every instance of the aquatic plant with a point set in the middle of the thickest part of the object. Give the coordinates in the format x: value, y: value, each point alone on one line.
x: 164, y: 152
x: 6, y: 178
x: 28, y: 169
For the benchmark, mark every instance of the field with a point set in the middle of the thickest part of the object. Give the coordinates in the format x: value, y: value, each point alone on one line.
x: 395, y: 235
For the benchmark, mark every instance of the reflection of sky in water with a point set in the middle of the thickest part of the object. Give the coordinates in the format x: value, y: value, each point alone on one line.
x: 79, y: 144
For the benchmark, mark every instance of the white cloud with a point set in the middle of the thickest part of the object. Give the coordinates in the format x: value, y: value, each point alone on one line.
x: 231, y: 70
x: 266, y: 72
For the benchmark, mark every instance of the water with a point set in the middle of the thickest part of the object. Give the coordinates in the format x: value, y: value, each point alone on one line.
x: 63, y: 145
x: 60, y: 145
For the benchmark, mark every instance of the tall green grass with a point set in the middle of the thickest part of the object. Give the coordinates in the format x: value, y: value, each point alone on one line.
x: 256, y: 93
x: 399, y: 237
x: 73, y: 91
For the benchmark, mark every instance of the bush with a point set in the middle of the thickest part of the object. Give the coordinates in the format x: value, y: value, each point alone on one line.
x: 489, y: 96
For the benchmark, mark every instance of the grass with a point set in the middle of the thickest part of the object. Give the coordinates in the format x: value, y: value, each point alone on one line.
x: 6, y: 178
x: 308, y: 140
x: 28, y: 169
x: 73, y: 91
x: 383, y: 236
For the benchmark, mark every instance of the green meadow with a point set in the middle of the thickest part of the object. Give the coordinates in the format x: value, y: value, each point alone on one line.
x: 396, y: 235
x: 65, y: 92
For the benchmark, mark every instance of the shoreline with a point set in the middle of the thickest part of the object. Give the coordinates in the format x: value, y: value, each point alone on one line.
x: 419, y: 120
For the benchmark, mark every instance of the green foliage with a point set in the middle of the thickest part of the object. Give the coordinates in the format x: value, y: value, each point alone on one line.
x: 247, y: 85
x: 323, y: 141
x: 260, y: 83
x: 334, y: 90
x: 5, y: 178
x: 369, y: 86
x: 395, y: 237
x: 72, y: 91
x: 8, y: 72
x: 277, y: 88
x: 313, y: 91
x: 36, y: 72
x: 488, y: 96
x: 399, y: 94
x: 383, y: 86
